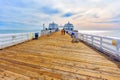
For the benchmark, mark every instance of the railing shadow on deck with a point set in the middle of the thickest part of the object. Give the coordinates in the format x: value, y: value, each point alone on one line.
x: 14, y: 39
x: 107, y: 47
x: 105, y: 55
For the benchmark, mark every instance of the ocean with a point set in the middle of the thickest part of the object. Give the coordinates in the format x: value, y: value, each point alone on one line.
x: 17, y: 31
x: 108, y: 33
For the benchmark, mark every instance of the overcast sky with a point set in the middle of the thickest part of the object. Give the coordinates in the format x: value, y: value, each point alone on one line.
x: 84, y: 14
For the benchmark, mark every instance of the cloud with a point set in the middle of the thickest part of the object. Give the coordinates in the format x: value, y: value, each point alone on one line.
x: 49, y: 11
x: 82, y: 13
x: 110, y: 22
x: 68, y: 14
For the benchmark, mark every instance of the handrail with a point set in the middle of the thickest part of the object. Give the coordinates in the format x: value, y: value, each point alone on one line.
x: 104, y: 44
x: 13, y: 39
x: 47, y: 32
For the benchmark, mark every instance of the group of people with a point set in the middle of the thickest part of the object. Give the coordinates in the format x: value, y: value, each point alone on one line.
x: 63, y: 32
x: 73, y: 35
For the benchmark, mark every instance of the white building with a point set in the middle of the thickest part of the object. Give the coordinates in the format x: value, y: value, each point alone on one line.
x: 68, y: 26
x: 53, y: 26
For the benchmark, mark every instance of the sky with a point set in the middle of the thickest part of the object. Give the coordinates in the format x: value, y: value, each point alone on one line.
x: 83, y: 14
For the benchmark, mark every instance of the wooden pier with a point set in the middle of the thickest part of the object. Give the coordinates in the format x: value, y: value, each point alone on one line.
x: 55, y: 57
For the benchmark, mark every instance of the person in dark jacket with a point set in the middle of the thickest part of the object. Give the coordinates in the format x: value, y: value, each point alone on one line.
x: 63, y: 32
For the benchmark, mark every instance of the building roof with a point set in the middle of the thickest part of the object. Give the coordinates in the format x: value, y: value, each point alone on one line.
x: 52, y: 23
x: 68, y: 25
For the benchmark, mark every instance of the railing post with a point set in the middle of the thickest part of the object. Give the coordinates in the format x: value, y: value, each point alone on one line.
x: 101, y: 42
x: 13, y: 38
x: 92, y: 38
x: 83, y: 38
x: 86, y: 38
x: 28, y: 36
x: 0, y: 45
x: 80, y: 36
x: 117, y: 46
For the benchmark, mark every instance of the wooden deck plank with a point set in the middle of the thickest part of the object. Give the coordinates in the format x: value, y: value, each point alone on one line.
x: 55, y: 58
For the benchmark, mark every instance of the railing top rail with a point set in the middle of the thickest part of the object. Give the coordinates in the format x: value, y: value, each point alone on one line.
x: 105, y: 37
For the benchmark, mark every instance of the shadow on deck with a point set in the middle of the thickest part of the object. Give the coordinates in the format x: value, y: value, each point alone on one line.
x: 54, y: 57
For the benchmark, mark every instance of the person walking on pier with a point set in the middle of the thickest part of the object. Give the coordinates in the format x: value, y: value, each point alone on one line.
x: 63, y: 32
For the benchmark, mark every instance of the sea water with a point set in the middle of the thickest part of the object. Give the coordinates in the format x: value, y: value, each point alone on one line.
x: 17, y: 31
x: 9, y: 32
x: 107, y: 33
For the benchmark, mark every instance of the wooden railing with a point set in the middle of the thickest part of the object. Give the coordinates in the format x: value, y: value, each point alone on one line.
x: 108, y: 45
x: 13, y: 39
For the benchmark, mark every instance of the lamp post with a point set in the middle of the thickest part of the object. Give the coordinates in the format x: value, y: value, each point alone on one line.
x: 43, y: 29
x: 43, y: 26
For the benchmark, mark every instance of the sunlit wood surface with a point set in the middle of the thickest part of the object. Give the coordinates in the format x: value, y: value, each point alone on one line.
x: 54, y: 57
